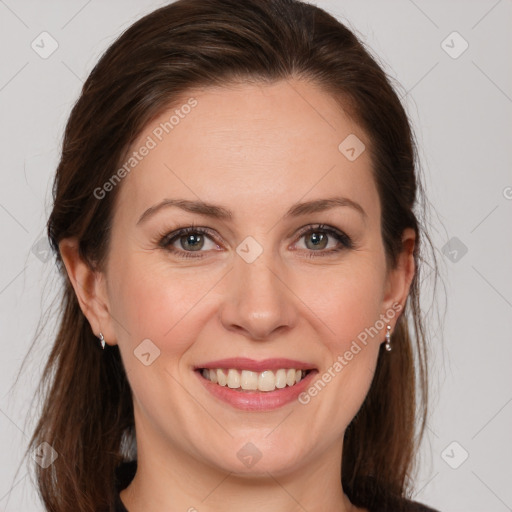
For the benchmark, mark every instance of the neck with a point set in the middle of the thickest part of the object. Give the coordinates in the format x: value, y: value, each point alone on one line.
x: 170, y: 479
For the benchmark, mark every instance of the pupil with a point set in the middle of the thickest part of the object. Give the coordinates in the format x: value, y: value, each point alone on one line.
x: 317, y: 238
x: 192, y: 239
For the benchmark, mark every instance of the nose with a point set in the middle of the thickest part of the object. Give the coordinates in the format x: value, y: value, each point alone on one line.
x: 258, y: 302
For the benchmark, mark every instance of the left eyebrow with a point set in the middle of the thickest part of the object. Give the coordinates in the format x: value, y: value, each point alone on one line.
x: 319, y: 205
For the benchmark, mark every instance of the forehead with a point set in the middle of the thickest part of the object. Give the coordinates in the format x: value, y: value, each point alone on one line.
x: 248, y: 144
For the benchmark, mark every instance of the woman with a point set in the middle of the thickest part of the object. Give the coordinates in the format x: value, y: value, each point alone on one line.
x: 233, y: 218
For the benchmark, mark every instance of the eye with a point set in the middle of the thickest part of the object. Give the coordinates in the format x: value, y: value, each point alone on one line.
x: 193, y: 239
x: 317, y: 240
x: 188, y: 240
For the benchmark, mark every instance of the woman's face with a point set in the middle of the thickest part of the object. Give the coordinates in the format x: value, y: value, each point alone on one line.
x: 264, y: 282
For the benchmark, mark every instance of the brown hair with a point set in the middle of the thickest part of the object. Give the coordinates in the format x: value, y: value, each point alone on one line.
x: 87, y: 413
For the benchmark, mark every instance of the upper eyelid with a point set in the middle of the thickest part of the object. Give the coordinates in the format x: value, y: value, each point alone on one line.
x: 176, y: 234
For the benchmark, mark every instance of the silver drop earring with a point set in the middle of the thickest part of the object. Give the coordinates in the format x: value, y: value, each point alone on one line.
x: 102, y: 340
x: 388, y: 338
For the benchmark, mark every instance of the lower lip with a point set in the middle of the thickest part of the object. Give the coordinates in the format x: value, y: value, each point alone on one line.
x: 258, y: 400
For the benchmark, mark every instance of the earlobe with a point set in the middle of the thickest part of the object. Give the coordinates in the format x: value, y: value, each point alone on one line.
x: 89, y: 287
x: 400, y: 278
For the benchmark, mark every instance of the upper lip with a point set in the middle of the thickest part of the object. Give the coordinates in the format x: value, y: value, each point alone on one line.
x: 243, y: 363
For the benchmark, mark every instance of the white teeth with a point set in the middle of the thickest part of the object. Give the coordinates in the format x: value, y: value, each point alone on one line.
x: 267, y: 381
x: 222, y: 378
x: 252, y: 381
x: 280, y: 379
x: 233, y: 379
x: 249, y: 380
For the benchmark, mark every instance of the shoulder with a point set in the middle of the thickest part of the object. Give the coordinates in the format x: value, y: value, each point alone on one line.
x: 415, y: 506
x: 403, y: 505
x: 371, y: 495
x: 124, y: 475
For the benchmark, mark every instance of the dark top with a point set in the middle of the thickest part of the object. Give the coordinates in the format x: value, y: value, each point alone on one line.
x: 126, y: 471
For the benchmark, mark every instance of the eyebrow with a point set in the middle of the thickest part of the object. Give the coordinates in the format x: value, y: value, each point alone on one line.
x: 218, y: 212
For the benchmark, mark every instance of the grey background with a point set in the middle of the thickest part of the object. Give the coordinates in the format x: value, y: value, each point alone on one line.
x: 461, y: 110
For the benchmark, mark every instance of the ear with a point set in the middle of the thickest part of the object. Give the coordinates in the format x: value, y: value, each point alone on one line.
x: 90, y: 289
x: 399, y: 279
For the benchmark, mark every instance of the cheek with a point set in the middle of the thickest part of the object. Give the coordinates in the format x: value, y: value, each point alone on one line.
x: 348, y: 300
x: 151, y: 300
x: 350, y: 309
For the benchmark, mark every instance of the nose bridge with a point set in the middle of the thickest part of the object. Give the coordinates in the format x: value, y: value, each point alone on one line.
x: 257, y: 300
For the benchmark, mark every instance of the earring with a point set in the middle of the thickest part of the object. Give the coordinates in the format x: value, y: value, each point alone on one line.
x: 102, y: 340
x: 388, y: 338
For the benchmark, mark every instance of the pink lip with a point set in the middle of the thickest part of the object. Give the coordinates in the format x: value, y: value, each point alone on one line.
x: 243, y: 363
x: 257, y: 400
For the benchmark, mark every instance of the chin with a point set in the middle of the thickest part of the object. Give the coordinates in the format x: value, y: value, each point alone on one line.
x: 261, y: 456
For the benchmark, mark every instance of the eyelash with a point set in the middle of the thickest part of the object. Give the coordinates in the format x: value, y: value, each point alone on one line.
x: 166, y: 240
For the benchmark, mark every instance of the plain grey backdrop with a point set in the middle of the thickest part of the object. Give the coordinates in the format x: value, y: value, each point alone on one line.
x: 452, y: 59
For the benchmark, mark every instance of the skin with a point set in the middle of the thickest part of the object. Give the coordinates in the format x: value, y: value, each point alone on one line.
x: 255, y: 149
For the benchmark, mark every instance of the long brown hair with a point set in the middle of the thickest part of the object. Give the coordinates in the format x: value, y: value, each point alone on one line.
x: 87, y: 412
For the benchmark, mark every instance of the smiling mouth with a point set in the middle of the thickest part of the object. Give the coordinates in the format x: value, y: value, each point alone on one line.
x: 247, y: 381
